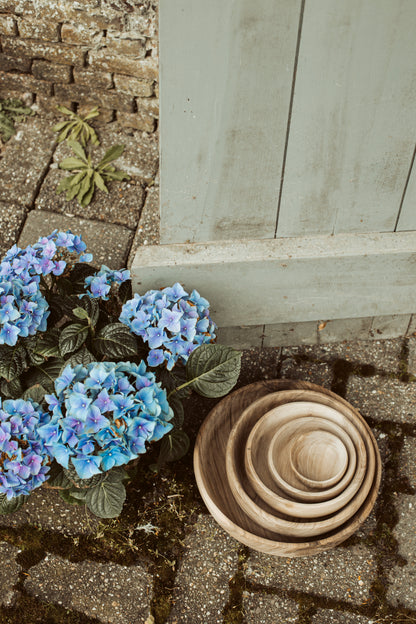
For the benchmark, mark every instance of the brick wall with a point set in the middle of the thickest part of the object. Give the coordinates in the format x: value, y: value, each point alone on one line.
x: 83, y: 53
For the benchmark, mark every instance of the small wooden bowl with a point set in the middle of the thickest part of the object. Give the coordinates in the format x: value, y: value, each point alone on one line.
x: 276, y: 476
x: 315, y: 504
x: 312, y: 447
x: 210, y: 474
x: 319, y: 459
x: 266, y: 512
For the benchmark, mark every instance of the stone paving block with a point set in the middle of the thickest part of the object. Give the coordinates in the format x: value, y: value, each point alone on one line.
x: 268, y: 609
x: 329, y: 616
x: 390, y: 326
x: 25, y: 161
x: 383, y: 398
x: 108, y: 243
x: 402, y: 589
x: 241, y: 337
x: 344, y: 573
x: 315, y: 372
x: 121, y: 206
x: 344, y: 329
x: 12, y: 217
x: 9, y: 574
x: 112, y: 593
x: 407, y: 462
x: 45, y: 509
x: 201, y: 585
x: 382, y: 354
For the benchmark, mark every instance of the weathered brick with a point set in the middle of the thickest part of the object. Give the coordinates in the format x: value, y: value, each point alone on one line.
x: 43, y: 70
x: 101, y: 80
x: 24, y: 82
x: 138, y: 121
x: 134, y: 86
x: 149, y: 106
x: 8, y: 25
x: 9, y: 63
x: 145, y: 23
x: 58, y: 52
x: 128, y: 47
x: 49, y: 104
x: 46, y: 30
x: 80, y: 34
x: 25, y: 96
x: 107, y: 99
x: 95, y: 13
x: 146, y: 69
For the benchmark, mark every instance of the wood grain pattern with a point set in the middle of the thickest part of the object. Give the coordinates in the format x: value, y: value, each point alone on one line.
x: 210, y: 473
x: 350, y: 145
x: 226, y: 76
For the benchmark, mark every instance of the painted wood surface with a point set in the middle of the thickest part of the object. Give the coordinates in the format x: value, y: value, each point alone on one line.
x: 226, y: 76
x: 253, y: 282
x: 352, y: 128
x: 407, y: 217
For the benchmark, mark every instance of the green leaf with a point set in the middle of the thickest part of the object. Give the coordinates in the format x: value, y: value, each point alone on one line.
x: 80, y: 271
x: 72, y: 337
x: 107, y: 499
x: 12, y: 361
x: 58, y: 478
x: 100, y: 182
x: 179, y: 415
x: 11, y: 389
x: 125, y: 291
x: 86, y: 200
x: 174, y: 446
x: 116, y: 175
x: 59, y: 126
x: 72, y: 163
x: 213, y: 369
x: 68, y: 127
x: 91, y: 307
x: 83, y: 356
x: 36, y: 393
x: 47, y: 344
x: 80, y: 313
x: 94, y: 112
x: 111, y: 154
x: 68, y: 498
x: 115, y: 341
x: 65, y: 110
x: 76, y: 480
x: 12, y: 505
x: 45, y: 375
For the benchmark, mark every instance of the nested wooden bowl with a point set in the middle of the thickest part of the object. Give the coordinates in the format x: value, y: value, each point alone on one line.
x: 210, y: 472
x: 274, y: 488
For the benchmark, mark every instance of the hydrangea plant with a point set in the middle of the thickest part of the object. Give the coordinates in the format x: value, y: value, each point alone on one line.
x: 73, y: 345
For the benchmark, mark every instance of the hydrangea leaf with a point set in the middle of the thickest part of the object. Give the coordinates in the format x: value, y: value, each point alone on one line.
x: 106, y: 500
x: 72, y: 338
x: 91, y: 307
x: 71, y: 474
x: 125, y: 291
x: 174, y: 446
x: 66, y: 495
x: 179, y: 415
x: 83, y: 356
x: 13, y: 361
x: 45, y: 375
x: 12, y: 505
x: 36, y: 393
x: 115, y: 341
x: 11, y: 389
x: 47, y: 344
x: 58, y: 478
x: 213, y: 370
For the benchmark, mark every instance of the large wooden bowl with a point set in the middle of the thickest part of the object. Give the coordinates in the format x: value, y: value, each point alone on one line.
x: 210, y: 473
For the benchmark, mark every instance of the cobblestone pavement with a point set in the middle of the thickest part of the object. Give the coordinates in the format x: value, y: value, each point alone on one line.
x: 166, y: 559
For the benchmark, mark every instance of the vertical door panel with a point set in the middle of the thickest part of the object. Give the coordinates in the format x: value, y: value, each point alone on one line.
x: 352, y: 128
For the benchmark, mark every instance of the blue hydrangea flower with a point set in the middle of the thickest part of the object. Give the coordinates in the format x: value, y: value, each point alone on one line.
x: 103, y: 415
x: 23, y: 308
x: 24, y: 460
x: 171, y: 322
x: 99, y: 284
